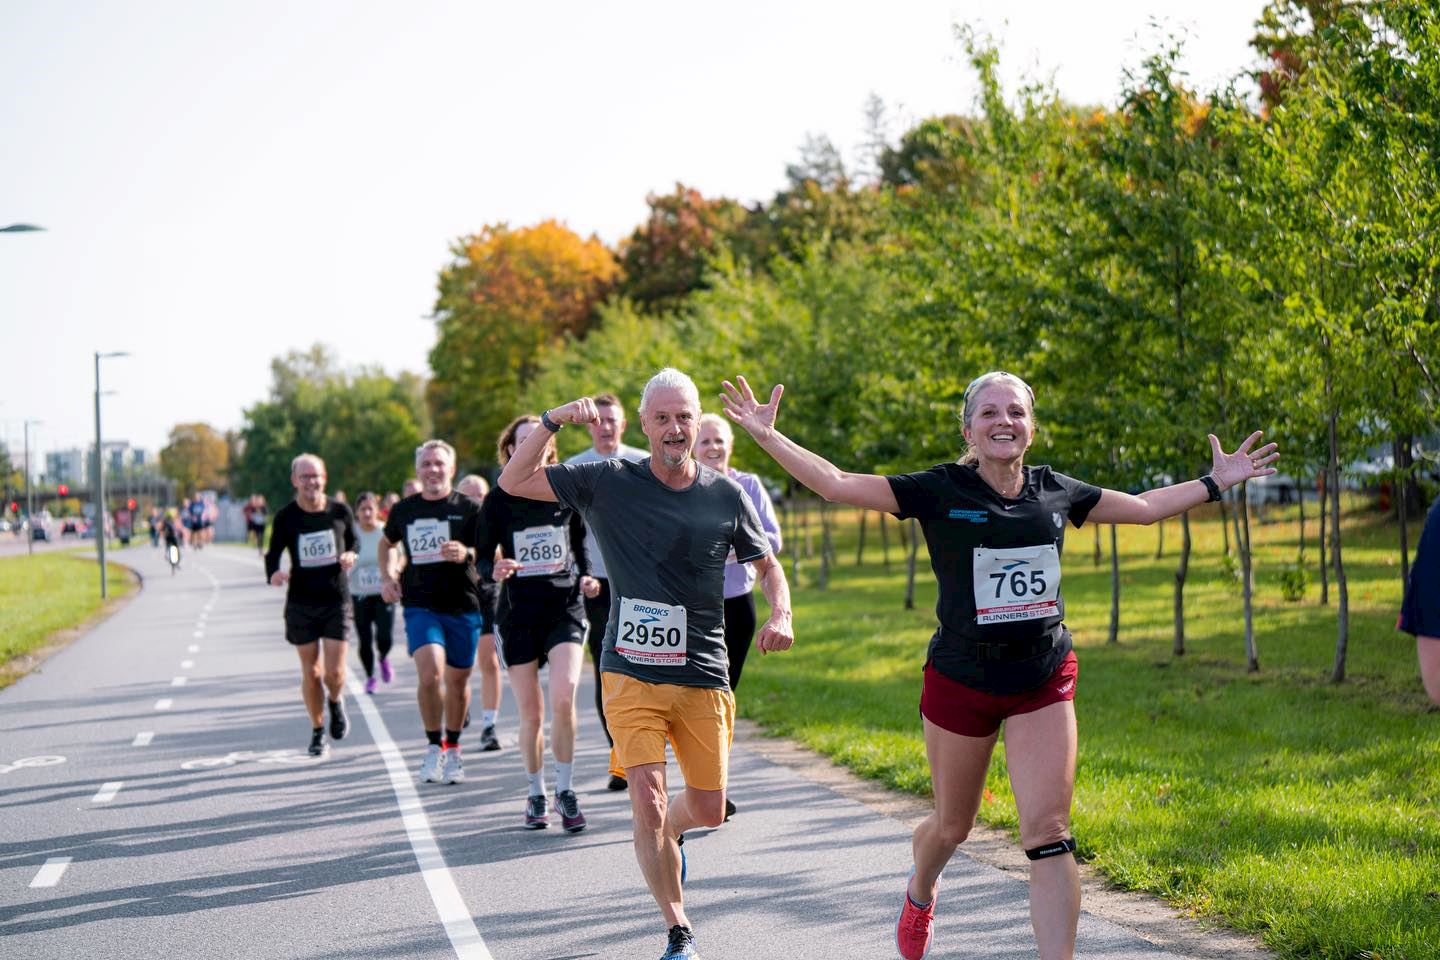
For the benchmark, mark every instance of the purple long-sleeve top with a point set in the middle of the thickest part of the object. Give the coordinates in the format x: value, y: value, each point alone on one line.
x: 740, y: 577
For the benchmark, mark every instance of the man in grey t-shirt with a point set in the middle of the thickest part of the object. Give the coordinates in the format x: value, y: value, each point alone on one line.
x: 665, y: 526
x: 606, y: 431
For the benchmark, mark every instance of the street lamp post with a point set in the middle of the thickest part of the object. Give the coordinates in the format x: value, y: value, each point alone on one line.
x: 100, y: 470
x: 29, y: 496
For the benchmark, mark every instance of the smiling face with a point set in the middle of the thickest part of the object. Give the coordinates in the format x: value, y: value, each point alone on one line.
x: 435, y: 469
x: 1002, y: 425
x: 671, y: 421
x: 308, y: 476
x: 715, y: 444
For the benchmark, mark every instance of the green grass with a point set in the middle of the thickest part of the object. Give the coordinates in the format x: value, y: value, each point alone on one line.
x: 1304, y: 811
x: 43, y: 594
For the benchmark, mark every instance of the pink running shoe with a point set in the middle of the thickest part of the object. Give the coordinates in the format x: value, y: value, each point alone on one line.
x: 914, y: 932
x: 386, y: 673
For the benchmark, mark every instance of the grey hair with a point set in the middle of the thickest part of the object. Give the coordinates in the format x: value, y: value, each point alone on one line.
x: 671, y: 378
x: 972, y: 392
x: 433, y: 445
x: 301, y: 458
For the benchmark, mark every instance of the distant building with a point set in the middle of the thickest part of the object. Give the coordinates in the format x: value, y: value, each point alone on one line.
x: 76, y: 466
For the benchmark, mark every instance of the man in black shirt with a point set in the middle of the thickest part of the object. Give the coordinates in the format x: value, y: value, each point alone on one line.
x: 441, y: 592
x: 319, y: 535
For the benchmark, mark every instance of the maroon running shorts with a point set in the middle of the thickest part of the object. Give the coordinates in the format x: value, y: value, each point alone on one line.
x: 971, y: 713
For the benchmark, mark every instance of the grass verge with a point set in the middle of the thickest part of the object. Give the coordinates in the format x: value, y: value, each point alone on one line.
x: 43, y: 595
x: 1301, y: 810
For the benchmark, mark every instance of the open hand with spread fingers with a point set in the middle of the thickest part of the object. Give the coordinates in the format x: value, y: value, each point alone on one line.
x: 1229, y: 469
x: 741, y: 406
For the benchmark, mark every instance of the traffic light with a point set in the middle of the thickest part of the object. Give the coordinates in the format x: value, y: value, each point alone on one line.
x: 15, y: 507
x: 130, y: 504
x: 64, y: 489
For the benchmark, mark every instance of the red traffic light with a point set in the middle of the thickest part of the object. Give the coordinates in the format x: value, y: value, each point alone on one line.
x: 130, y: 504
x: 14, y: 506
x: 64, y: 489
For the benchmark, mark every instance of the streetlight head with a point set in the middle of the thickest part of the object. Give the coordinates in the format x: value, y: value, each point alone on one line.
x: 21, y: 228
x: 113, y: 353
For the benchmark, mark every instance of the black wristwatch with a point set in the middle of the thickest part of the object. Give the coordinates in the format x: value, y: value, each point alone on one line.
x: 1213, y: 487
x: 549, y: 424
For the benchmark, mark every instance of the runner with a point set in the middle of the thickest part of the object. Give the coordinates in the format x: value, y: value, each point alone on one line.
x: 171, y: 530
x: 441, y: 591
x: 374, y: 618
x: 319, y: 535
x: 665, y: 525
x: 196, y: 521
x: 1420, y: 613
x: 256, y: 513
x: 713, y: 449
x: 995, y: 530
x: 492, y: 687
x: 540, y: 619
x: 606, y: 431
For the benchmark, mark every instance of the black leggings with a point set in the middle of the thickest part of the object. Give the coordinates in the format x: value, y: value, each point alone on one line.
x: 375, y: 625
x: 739, y: 633
x: 597, y: 611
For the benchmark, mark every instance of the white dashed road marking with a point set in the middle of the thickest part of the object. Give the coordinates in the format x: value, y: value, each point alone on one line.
x: 143, y: 739
x: 108, y: 791
x: 51, y: 873
x: 164, y: 704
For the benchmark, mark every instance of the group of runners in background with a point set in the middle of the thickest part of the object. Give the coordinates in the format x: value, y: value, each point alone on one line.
x: 651, y: 557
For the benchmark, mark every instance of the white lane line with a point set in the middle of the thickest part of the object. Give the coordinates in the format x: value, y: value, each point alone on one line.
x: 51, y: 873
x: 193, y: 648
x: 143, y: 738
x: 459, y: 924
x: 178, y: 682
x: 186, y: 664
x: 164, y: 704
x: 107, y: 791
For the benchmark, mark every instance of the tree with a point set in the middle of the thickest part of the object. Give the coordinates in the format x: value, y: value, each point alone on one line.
x: 666, y: 257
x: 196, y: 458
x: 509, y: 297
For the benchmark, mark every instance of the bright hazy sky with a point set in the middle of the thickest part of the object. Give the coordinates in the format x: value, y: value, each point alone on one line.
x: 221, y: 182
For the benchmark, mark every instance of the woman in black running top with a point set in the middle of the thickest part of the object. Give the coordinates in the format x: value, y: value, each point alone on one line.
x: 540, y: 618
x: 995, y: 529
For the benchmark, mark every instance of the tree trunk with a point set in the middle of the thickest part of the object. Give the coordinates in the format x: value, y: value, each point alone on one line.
x: 1225, y: 526
x: 1098, y: 553
x: 1402, y: 514
x: 860, y: 544
x: 884, y: 542
x: 1324, y: 478
x: 1114, y: 588
x: 1301, y: 499
x: 1342, y: 638
x: 827, y: 553
x: 1252, y: 656
x: 1160, y: 540
x: 910, y: 576
x: 798, y: 512
x: 1181, y: 572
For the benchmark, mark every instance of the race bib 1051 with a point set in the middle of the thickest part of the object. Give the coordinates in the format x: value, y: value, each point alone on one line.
x: 317, y: 549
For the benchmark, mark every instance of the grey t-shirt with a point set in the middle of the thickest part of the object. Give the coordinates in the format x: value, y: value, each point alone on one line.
x: 592, y: 549
x: 666, y: 552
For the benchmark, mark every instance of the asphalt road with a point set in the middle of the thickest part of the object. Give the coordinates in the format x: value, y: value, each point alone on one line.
x: 155, y: 802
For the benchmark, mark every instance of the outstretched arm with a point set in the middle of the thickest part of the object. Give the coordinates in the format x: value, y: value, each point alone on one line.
x: 814, y: 471
x: 524, y: 476
x: 1226, y: 469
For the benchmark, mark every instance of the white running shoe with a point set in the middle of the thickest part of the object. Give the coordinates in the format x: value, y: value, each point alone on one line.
x: 454, y: 769
x: 430, y: 766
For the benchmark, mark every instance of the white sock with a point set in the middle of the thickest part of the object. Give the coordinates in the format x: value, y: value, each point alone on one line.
x: 562, y: 775
x: 490, y: 717
x: 537, y: 782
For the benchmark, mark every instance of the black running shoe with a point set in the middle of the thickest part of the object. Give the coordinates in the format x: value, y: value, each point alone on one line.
x: 489, y: 743
x: 569, y: 806
x: 681, y: 945
x: 317, y: 742
x: 536, y: 815
x: 729, y: 808
x: 339, y: 722
x: 617, y: 783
